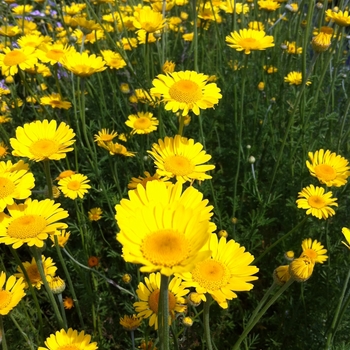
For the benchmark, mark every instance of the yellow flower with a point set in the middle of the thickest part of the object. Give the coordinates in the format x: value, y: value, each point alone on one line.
x: 148, y: 294
x: 256, y: 25
x: 148, y: 20
x: 168, y: 67
x: 143, y: 180
x: 187, y: 321
x: 248, y: 40
x: 11, y: 293
x: 130, y: 323
x: 95, y: 214
x: 82, y: 64
x: 9, y: 31
x: 226, y: 271
x: 270, y: 69
x: 162, y: 228
x: 116, y: 148
x: 22, y: 9
x: 316, y: 202
x: 329, y: 168
x: 62, y: 238
x: 3, y: 150
x: 295, y: 78
x: 301, y: 269
x: 33, y: 40
x: 341, y: 18
x: 113, y: 59
x: 346, y: 233
x: 71, y: 340
x: 281, y: 275
x: 126, y: 278
x: 142, y: 123
x: 65, y: 173
x: 314, y: 251
x: 74, y: 186
x: 268, y: 5
x: 53, y: 53
x: 292, y: 48
x: 68, y: 303
x: 12, y: 60
x: 55, y: 101
x: 57, y: 285
x: 230, y: 6
x: 181, y: 158
x: 322, y: 41
x: 42, y: 140
x: 105, y: 136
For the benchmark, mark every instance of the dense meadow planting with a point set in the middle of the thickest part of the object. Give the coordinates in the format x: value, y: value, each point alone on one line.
x: 174, y: 175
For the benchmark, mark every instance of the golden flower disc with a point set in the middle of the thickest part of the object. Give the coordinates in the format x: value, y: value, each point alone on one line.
x: 310, y: 253
x: 178, y: 165
x: 153, y: 301
x: 325, y: 171
x: 28, y: 226
x: 44, y: 148
x: 142, y: 123
x: 74, y: 185
x: 211, y: 274
x: 186, y: 91
x: 165, y: 247
x: 7, y: 187
x: 252, y: 43
x: 5, y: 298
x: 14, y: 58
x: 34, y: 274
x: 316, y: 202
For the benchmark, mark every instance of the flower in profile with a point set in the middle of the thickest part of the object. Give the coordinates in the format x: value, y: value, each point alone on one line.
x: 301, y: 269
x: 186, y: 91
x: 195, y: 298
x: 57, y: 285
x: 31, y: 223
x: 113, y: 59
x: 339, y: 17
x: 147, y: 19
x: 143, y: 180
x: 62, y: 238
x: 227, y: 270
x: 11, y: 293
x: 148, y: 294
x: 316, y: 202
x: 74, y: 186
x: 181, y: 158
x: 142, y: 123
x: 68, y: 303
x: 268, y: 5
x: 295, y: 78
x: 55, y: 101
x: 329, y: 168
x: 248, y: 40
x: 281, y: 275
x: 53, y: 53
x: 71, y: 340
x: 3, y: 150
x: 95, y: 214
x: 230, y: 6
x: 105, y: 136
x: 116, y: 149
x: 168, y: 67
x: 13, y: 60
x: 22, y: 9
x: 130, y: 323
x: 9, y: 31
x: 65, y: 173
x: 83, y: 64
x: 163, y: 229
x: 322, y: 41
x: 34, y: 274
x: 314, y: 251
x: 42, y: 140
x: 346, y: 233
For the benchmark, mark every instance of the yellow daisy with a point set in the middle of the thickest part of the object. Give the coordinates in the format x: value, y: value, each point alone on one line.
x: 314, y: 250
x: 22, y: 9
x: 281, y: 275
x: 346, y: 233
x: 113, y: 59
x: 230, y: 6
x: 341, y: 18
x: 248, y: 40
x: 31, y: 223
x: 292, y: 48
x: 33, y: 40
x: 95, y: 214
x: 142, y: 123
x: 71, y: 340
x: 295, y: 78
x: 162, y: 228
x: 148, y: 294
x: 147, y: 19
x: 68, y: 303
x: 116, y: 149
x: 3, y: 150
x: 322, y: 41
x: 329, y: 168
x: 42, y: 140
x: 105, y: 136
x: 53, y: 53
x: 301, y: 269
x: 268, y: 5
x: 181, y: 158
x: 74, y: 186
x: 226, y: 271
x: 135, y: 181
x: 11, y: 293
x: 55, y: 101
x: 185, y: 91
x: 130, y: 323
x: 316, y: 202
x: 34, y: 274
x: 9, y: 31
x: 62, y: 238
x: 65, y: 173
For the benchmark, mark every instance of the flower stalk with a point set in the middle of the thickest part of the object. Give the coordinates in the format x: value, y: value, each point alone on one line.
x: 163, y: 314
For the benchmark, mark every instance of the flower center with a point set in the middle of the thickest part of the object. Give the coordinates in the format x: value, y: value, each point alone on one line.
x: 74, y: 185
x: 69, y: 347
x: 7, y: 187
x: 211, y: 274
x: 14, y: 58
x: 153, y: 301
x: 3, y: 151
x: 55, y: 54
x: 310, y: 253
x: 178, y: 165
x: 185, y: 91
x: 165, y: 247
x: 33, y: 274
x: 249, y: 43
x: 28, y: 226
x: 316, y: 202
x: 44, y: 148
x: 325, y: 172
x: 142, y: 123
x: 5, y: 298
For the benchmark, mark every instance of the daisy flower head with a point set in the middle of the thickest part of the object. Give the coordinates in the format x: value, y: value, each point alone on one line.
x: 68, y: 303
x: 95, y: 214
x: 135, y: 181
x: 55, y: 101
x: 142, y: 123
x: 301, y: 269
x: 71, y: 340
x: 281, y: 275
x: 113, y: 59
x: 62, y: 238
x: 53, y: 53
x: 34, y: 274
x: 268, y: 5
x: 11, y: 293
x: 295, y: 78
x: 248, y: 40
x: 341, y: 18
x: 322, y: 41
x: 163, y: 228
x: 148, y: 294
x: 130, y: 323
x: 31, y: 223
x: 316, y: 202
x: 329, y: 168
x: 186, y: 91
x: 314, y: 250
x: 181, y: 158
x: 57, y: 285
x: 226, y: 271
x: 147, y: 19
x: 105, y: 136
x: 115, y: 149
x: 346, y: 233
x: 43, y: 140
x: 3, y: 150
x: 74, y: 186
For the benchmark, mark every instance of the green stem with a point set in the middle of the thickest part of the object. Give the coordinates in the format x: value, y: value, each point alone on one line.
x: 3, y: 338
x: 27, y: 340
x: 63, y: 311
x: 206, y: 320
x: 163, y: 314
x: 195, y: 34
x: 48, y: 178
x: 181, y: 125
x: 260, y: 314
